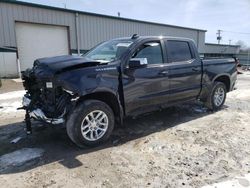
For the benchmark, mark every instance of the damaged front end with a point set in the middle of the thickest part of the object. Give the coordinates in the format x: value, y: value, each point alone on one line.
x: 44, y: 100
x: 55, y: 85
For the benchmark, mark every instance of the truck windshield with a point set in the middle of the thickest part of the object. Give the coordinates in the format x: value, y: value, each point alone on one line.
x: 109, y: 51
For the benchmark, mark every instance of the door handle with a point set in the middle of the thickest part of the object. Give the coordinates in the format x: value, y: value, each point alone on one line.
x: 195, y: 69
x: 163, y: 73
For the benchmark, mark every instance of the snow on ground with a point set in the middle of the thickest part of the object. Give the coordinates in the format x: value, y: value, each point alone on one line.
x: 12, y: 95
x: 9, y: 102
x: 10, y: 107
x: 238, y: 182
x: 184, y: 146
x: 19, y: 157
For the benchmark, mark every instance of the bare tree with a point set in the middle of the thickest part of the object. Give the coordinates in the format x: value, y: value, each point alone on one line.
x: 242, y: 45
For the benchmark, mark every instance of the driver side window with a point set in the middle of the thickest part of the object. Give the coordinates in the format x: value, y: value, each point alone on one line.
x: 150, y: 50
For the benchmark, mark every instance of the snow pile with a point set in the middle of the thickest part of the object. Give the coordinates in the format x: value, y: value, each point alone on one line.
x: 19, y: 157
x: 12, y: 95
x: 238, y: 182
x: 9, y: 102
x: 10, y: 106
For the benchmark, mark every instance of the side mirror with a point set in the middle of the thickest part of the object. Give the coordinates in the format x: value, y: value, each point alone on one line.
x: 137, y: 62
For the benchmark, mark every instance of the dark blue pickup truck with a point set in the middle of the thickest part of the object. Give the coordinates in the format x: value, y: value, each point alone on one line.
x: 122, y: 77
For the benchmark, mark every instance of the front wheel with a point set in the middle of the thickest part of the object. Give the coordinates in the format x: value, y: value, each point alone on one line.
x: 217, y: 97
x: 91, y: 123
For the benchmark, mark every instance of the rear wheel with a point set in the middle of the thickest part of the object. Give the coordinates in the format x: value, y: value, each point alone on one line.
x: 217, y: 97
x: 91, y: 123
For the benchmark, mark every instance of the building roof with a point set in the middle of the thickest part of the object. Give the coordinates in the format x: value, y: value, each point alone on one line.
x: 214, y: 44
x: 94, y: 14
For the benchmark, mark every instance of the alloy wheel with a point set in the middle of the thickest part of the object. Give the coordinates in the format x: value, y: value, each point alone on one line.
x: 94, y: 125
x: 219, y: 96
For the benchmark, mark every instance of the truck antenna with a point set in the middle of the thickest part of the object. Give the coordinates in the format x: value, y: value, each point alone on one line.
x: 135, y: 36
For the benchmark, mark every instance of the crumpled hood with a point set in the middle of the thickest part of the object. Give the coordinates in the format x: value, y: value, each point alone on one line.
x: 46, y: 67
x: 59, y: 63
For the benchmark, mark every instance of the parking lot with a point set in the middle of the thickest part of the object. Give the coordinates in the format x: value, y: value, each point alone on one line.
x: 182, y: 146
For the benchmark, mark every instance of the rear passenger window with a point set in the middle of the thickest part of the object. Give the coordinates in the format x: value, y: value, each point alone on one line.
x: 178, y: 51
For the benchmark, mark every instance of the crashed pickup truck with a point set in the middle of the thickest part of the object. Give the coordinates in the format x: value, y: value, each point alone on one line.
x: 118, y: 78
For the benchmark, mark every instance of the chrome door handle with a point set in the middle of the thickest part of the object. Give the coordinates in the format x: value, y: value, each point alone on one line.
x: 163, y: 73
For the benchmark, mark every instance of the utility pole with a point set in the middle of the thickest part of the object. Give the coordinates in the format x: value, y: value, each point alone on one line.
x: 219, y: 37
x: 65, y: 4
x: 248, y: 55
x: 119, y: 14
x: 230, y: 41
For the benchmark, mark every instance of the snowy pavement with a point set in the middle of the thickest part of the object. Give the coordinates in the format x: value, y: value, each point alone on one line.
x: 9, y: 102
x: 184, y: 146
x: 237, y: 182
x: 19, y: 157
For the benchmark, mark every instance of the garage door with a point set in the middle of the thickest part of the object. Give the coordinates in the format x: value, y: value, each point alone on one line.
x: 37, y: 41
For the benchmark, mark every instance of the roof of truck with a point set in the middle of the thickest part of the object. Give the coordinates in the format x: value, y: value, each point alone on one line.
x: 154, y: 38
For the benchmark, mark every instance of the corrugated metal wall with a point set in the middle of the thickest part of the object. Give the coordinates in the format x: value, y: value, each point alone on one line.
x: 8, y: 65
x: 95, y: 29
x: 244, y: 58
x: 221, y: 49
x: 92, y: 29
x: 10, y: 13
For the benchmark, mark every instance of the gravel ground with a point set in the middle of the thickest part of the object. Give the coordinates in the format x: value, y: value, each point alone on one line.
x: 182, y: 146
x: 9, y: 85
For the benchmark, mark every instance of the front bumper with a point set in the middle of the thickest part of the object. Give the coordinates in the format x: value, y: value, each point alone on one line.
x: 38, y: 114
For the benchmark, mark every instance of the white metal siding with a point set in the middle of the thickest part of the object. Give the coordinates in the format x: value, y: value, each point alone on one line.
x: 38, y: 41
x: 92, y: 28
x: 221, y: 49
x: 8, y: 66
x: 10, y: 13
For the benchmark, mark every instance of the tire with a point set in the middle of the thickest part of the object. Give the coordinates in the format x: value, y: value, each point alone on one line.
x: 212, y: 102
x: 82, y: 127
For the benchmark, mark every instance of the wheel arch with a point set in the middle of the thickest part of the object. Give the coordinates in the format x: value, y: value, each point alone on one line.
x: 224, y: 78
x: 110, y: 99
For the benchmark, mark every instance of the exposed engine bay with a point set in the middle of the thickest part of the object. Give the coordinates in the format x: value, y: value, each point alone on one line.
x: 44, y: 101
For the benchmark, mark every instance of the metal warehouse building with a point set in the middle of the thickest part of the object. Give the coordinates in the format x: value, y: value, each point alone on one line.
x: 216, y: 50
x: 30, y: 31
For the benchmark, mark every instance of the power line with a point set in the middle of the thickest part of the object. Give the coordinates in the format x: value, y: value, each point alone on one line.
x: 236, y: 32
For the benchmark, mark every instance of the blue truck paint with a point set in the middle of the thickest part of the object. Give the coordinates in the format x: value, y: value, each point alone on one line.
x: 132, y: 90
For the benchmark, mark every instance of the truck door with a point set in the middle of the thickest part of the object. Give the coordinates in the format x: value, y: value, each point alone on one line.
x: 146, y: 85
x: 184, y: 71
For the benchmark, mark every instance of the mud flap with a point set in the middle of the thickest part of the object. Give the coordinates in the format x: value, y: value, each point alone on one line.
x: 28, y: 123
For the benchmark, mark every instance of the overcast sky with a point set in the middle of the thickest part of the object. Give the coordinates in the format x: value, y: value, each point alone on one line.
x: 211, y: 15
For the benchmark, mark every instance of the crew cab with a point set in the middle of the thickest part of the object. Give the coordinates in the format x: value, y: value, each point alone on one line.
x: 122, y: 77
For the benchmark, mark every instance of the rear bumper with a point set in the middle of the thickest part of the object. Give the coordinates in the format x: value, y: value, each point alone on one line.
x: 233, y: 81
x: 233, y: 87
